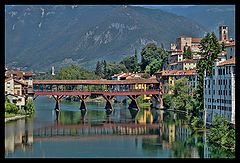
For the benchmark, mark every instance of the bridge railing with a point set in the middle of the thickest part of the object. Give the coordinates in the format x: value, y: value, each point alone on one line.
x: 98, y: 91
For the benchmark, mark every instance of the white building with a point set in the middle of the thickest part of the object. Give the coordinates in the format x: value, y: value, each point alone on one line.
x: 219, y: 90
x: 9, y: 85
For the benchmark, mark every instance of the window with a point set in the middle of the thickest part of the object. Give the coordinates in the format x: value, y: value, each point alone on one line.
x: 233, y: 69
x: 214, y: 92
x: 229, y: 92
x: 210, y: 93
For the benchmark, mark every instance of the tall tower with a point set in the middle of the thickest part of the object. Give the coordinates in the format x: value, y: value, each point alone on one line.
x: 53, y: 70
x: 223, y: 33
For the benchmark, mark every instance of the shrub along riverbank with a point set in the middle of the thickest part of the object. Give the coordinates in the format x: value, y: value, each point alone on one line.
x: 12, y: 112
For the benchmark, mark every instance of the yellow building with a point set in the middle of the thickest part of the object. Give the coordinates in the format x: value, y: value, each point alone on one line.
x: 171, y: 132
x: 170, y: 76
x: 145, y: 117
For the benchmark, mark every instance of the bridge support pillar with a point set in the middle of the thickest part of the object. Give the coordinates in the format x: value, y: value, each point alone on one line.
x: 133, y: 107
x: 158, y: 103
x: 57, y: 99
x: 83, y: 107
x: 108, y: 105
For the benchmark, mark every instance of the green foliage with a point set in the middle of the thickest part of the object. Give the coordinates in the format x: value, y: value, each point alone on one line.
x: 209, y: 48
x: 180, y: 95
x: 223, y: 47
x: 222, y: 134
x: 73, y: 72
x: 187, y: 54
x: 10, y: 107
x: 114, y: 68
x: 145, y: 76
x: 153, y: 67
x: 151, y: 52
x: 167, y: 100
x: 131, y: 63
x: 30, y: 107
x: 99, y: 69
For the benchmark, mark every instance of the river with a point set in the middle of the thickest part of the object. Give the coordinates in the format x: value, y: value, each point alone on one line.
x: 153, y: 133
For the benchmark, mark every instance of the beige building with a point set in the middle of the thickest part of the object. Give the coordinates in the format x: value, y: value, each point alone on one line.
x: 9, y: 85
x: 186, y: 64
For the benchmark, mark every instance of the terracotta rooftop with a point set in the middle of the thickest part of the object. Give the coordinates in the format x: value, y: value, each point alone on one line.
x: 19, y: 82
x: 196, y: 40
x: 228, y: 62
x: 178, y: 72
x: 28, y: 74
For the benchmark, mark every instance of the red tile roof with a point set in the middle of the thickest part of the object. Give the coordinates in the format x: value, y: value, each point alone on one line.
x: 228, y: 62
x: 16, y: 81
x: 178, y: 72
x: 198, y: 40
x: 27, y: 74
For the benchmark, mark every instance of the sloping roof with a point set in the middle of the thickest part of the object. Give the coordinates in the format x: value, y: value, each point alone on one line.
x: 198, y: 40
x: 27, y: 73
x: 228, y: 62
x: 179, y: 72
x: 16, y: 81
x: 7, y: 79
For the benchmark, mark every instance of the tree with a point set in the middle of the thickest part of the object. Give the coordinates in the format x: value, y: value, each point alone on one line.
x: 151, y: 52
x: 187, y: 54
x: 74, y: 72
x: 179, y: 98
x: 99, y: 69
x: 223, y: 46
x: 10, y: 107
x: 104, y: 68
x: 153, y: 67
x: 222, y: 134
x: 30, y: 107
x: 209, y: 49
x: 114, y: 68
x: 131, y: 63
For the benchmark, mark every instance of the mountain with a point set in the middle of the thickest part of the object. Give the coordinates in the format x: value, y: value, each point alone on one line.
x: 41, y: 36
x: 210, y: 16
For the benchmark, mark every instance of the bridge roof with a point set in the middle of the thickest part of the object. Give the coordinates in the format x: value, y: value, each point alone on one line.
x: 97, y: 82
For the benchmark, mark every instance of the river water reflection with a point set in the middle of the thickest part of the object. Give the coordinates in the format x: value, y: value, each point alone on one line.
x: 153, y: 134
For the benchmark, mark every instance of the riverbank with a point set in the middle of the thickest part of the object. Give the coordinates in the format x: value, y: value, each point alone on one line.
x: 16, y: 117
